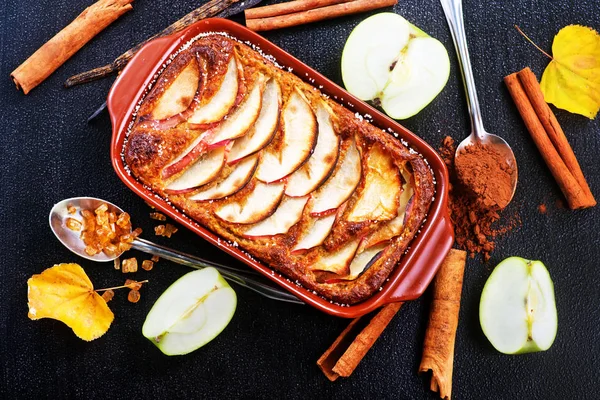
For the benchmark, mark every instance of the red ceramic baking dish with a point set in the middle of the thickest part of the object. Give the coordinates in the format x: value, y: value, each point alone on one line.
x: 417, y: 268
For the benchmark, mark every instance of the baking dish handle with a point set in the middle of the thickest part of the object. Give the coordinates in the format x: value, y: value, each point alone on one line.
x: 132, y: 81
x: 415, y: 282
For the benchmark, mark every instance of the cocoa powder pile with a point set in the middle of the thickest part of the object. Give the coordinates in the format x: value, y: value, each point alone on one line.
x: 485, y: 172
x: 475, y: 209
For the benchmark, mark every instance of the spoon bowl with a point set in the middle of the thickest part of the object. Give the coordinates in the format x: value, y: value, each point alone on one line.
x: 72, y: 239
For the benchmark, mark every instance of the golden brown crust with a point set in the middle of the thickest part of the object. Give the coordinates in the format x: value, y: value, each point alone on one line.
x: 149, y: 149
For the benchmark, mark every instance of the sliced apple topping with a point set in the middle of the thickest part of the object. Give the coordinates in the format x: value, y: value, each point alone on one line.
x: 363, y: 260
x: 222, y: 101
x: 203, y: 171
x: 238, y: 178
x: 320, y: 164
x: 243, y: 117
x: 315, y: 233
x: 337, y: 262
x: 298, y: 141
x: 287, y: 215
x: 179, y: 95
x: 341, y: 184
x: 378, y: 199
x: 256, y: 206
x: 264, y: 128
x: 395, y: 226
x: 189, y: 155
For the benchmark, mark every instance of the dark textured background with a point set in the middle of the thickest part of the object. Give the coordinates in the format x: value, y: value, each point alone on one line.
x: 269, y: 350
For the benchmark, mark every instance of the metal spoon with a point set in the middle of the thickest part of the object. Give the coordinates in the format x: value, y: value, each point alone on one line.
x: 73, y: 242
x: 454, y: 16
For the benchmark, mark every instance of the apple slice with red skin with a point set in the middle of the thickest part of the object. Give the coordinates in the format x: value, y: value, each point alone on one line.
x: 361, y: 262
x: 222, y: 101
x: 240, y: 176
x: 256, y: 206
x: 322, y: 161
x: 315, y: 233
x: 339, y: 261
x: 395, y: 226
x: 244, y: 116
x: 203, y: 171
x: 261, y: 134
x: 378, y: 198
x: 299, y: 138
x: 180, y: 94
x: 287, y: 215
x: 341, y: 184
x: 198, y: 147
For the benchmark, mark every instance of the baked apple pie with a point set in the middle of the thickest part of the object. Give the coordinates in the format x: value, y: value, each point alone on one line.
x: 269, y: 163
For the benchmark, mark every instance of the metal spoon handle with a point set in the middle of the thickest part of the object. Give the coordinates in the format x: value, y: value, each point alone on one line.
x: 229, y: 273
x: 454, y: 15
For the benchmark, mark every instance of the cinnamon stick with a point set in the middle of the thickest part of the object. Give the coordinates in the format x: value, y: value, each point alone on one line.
x: 67, y: 42
x: 288, y: 7
x: 577, y: 197
x: 317, y: 14
x: 344, y: 355
x: 209, y: 9
x: 553, y: 130
x: 438, y: 349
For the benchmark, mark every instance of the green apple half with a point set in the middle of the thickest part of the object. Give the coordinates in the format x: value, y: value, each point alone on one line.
x: 517, y: 311
x: 395, y: 64
x: 191, y: 312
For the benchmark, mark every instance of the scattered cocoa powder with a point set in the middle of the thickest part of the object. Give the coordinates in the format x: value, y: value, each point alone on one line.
x: 476, y: 224
x: 484, y: 171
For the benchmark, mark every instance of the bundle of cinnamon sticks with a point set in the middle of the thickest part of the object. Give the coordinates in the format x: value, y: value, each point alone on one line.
x: 299, y: 12
x: 549, y: 138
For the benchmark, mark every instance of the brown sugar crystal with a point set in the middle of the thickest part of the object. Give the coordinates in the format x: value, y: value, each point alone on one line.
x: 476, y: 224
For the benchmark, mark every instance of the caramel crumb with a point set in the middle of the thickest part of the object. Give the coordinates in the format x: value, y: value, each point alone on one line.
x: 108, y: 295
x: 147, y: 265
x: 133, y: 296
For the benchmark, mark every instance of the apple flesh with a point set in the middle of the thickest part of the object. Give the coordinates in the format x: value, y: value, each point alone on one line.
x: 403, y: 70
x: 203, y: 171
x: 337, y: 262
x: 517, y: 310
x: 287, y: 215
x: 191, y: 312
x: 322, y: 161
x: 238, y: 178
x: 315, y: 233
x: 264, y: 128
x: 179, y: 95
x: 299, y: 139
x: 223, y: 100
x: 258, y: 205
x: 341, y: 184
x: 243, y: 117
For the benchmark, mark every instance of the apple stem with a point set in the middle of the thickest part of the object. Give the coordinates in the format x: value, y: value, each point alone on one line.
x: 532, y: 42
x: 120, y: 287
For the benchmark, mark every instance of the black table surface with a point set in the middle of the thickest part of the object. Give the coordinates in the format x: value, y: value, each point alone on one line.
x: 269, y: 350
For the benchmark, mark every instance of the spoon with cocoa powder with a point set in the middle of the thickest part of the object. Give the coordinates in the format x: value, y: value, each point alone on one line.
x: 484, y: 162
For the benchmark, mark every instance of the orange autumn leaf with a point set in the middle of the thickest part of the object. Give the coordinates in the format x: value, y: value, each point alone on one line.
x: 65, y: 293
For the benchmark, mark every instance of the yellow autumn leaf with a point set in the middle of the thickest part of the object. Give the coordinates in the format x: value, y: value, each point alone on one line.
x: 572, y: 79
x: 64, y: 292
